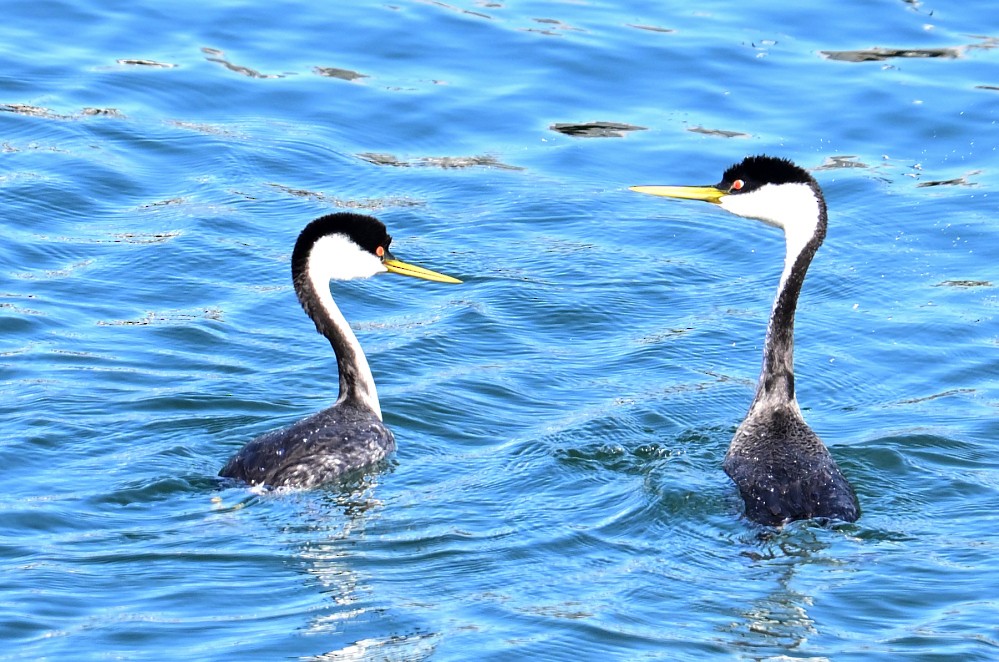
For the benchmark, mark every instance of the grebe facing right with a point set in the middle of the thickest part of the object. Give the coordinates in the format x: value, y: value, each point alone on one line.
x: 348, y: 435
x: 782, y: 469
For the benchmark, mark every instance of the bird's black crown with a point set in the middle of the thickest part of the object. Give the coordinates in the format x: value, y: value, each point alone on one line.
x: 366, y: 231
x: 755, y: 171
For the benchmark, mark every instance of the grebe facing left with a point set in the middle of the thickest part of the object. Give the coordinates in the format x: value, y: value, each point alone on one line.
x: 349, y: 434
x: 782, y: 469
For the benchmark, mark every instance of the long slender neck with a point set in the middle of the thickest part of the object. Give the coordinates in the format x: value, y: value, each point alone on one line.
x: 776, y: 383
x: 356, y: 382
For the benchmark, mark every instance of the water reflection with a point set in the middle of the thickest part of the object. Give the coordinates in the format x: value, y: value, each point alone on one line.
x: 595, y: 129
x: 329, y: 539
x: 780, y: 622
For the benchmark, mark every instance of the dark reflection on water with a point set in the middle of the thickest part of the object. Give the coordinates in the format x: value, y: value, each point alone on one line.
x: 342, y: 74
x: 878, y: 54
x: 721, y: 133
x: 596, y: 129
x: 881, y: 54
x: 146, y: 63
x: 216, y: 55
x: 446, y: 162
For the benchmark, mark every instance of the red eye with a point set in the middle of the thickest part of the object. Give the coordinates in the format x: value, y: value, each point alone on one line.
x: 380, y: 251
x: 737, y: 185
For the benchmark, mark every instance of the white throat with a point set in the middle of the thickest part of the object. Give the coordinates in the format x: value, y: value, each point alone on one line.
x: 791, y: 207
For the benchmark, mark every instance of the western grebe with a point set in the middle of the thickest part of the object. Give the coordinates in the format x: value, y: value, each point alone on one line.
x: 782, y: 469
x: 349, y: 434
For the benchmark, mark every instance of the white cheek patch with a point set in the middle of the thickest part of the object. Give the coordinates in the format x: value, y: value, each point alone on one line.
x: 791, y: 207
x: 337, y: 257
x: 783, y: 205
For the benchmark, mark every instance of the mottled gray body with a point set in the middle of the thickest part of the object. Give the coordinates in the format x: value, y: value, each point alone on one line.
x: 784, y: 472
x: 314, y: 450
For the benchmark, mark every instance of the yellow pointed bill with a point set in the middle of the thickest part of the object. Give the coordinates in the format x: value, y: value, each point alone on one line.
x: 399, y: 267
x: 705, y: 193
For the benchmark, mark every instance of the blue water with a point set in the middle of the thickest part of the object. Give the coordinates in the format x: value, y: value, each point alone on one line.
x: 562, y: 415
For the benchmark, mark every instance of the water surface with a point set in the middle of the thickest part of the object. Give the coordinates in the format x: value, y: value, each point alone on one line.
x: 562, y: 415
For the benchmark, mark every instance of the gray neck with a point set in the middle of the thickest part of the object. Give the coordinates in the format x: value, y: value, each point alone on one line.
x: 776, y: 383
